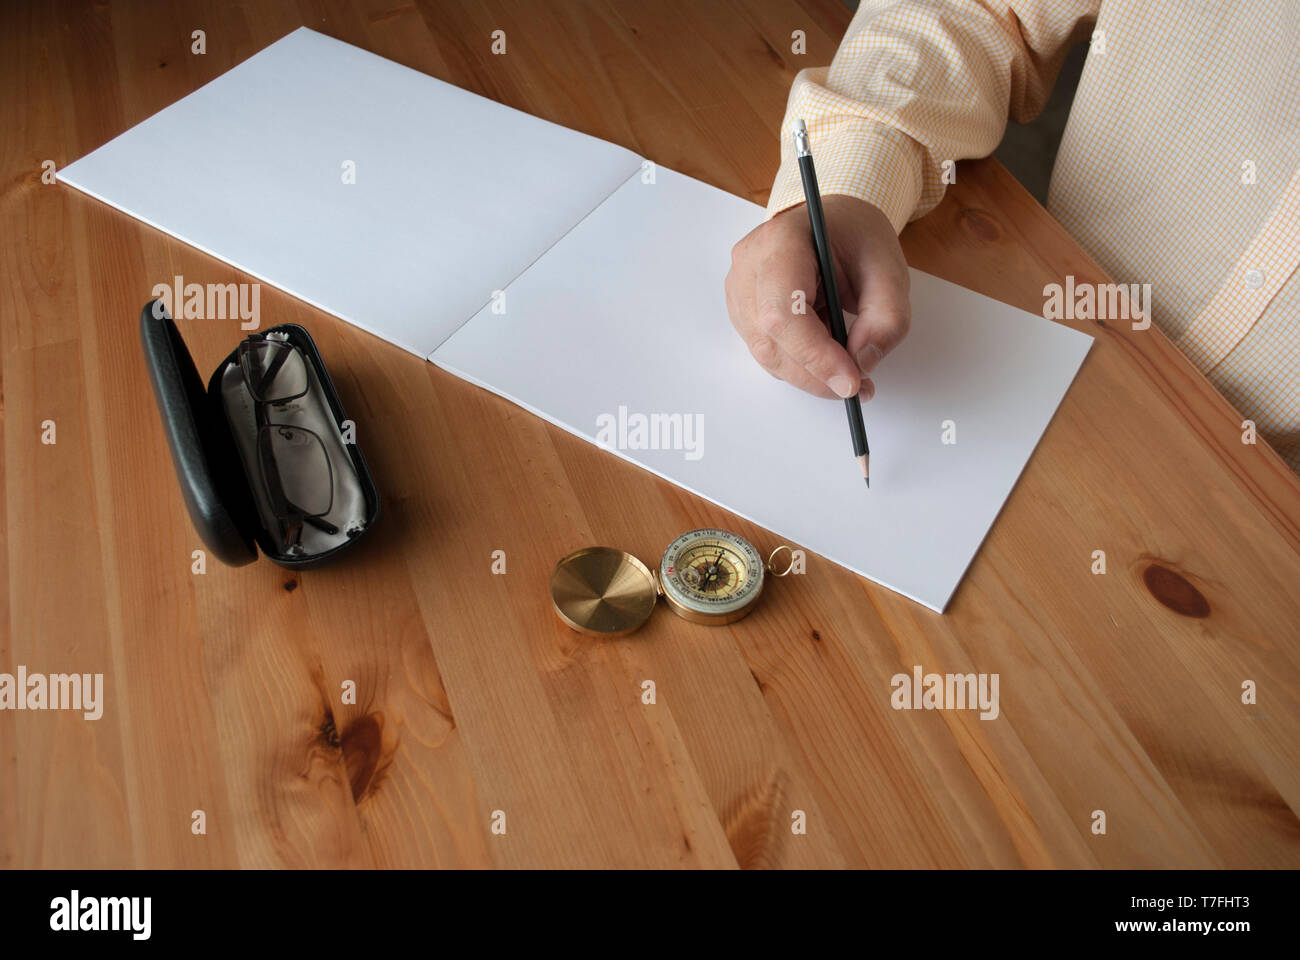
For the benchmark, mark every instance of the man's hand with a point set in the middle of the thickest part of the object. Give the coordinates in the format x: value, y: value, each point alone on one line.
x: 776, y: 259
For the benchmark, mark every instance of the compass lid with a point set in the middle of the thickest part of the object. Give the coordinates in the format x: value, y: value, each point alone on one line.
x: 603, y: 591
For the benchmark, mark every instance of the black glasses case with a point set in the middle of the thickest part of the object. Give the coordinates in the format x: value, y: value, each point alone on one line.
x: 217, y: 488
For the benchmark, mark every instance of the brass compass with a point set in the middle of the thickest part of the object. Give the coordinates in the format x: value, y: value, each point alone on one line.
x: 707, y: 576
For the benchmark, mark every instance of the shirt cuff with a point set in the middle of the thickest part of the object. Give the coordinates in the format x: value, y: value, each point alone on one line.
x: 855, y: 158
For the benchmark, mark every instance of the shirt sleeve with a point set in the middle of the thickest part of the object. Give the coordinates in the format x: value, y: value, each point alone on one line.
x: 916, y: 83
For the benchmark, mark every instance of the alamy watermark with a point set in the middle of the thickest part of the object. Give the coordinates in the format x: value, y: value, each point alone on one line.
x: 1098, y: 301
x: 652, y: 431
x: 946, y: 691
x: 212, y: 301
x: 75, y: 913
x: 56, y: 691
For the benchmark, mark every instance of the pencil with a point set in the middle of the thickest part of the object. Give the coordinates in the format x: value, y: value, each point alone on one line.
x: 852, y: 405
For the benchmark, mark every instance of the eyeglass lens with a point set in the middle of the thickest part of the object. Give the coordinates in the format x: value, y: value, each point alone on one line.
x: 275, y: 371
x: 297, y: 469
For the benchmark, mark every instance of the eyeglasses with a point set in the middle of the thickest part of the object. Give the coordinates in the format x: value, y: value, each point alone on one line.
x: 296, y: 471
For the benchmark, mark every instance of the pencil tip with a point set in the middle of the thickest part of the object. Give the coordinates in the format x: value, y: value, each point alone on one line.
x: 868, y: 479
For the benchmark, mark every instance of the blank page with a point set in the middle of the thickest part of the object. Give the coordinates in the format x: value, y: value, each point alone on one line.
x: 454, y: 195
x: 629, y: 311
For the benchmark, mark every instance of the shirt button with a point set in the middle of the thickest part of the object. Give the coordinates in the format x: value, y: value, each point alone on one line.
x: 1254, y: 279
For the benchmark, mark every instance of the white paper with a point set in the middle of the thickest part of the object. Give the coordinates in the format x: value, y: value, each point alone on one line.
x: 622, y: 306
x: 454, y: 195
x: 629, y: 311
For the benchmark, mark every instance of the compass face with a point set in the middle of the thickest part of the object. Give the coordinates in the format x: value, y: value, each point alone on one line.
x: 711, y: 576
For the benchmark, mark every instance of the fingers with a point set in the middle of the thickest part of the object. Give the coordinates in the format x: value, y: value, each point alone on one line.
x: 776, y: 362
x: 883, y: 321
x: 792, y: 324
x: 878, y: 274
x: 740, y: 306
x: 773, y: 298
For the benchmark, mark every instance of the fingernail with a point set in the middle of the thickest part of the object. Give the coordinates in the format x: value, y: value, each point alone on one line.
x: 842, y: 386
x: 868, y: 357
x: 867, y: 392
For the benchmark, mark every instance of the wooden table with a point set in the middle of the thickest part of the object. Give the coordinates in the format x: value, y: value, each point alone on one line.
x: 1119, y: 692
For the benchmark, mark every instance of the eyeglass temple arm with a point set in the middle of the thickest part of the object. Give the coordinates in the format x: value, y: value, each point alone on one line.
x: 324, y: 526
x: 276, y: 363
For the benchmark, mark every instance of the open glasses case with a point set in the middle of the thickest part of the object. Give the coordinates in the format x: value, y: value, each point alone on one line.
x: 265, y: 455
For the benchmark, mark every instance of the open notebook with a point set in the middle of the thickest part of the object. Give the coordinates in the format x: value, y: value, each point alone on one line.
x: 551, y: 268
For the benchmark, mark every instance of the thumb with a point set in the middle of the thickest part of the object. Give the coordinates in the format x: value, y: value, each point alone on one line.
x: 884, y: 313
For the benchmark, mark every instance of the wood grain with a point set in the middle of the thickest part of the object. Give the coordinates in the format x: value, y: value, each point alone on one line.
x: 1119, y: 692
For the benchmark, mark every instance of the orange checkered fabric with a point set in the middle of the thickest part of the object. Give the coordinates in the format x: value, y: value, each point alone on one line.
x: 1179, y: 167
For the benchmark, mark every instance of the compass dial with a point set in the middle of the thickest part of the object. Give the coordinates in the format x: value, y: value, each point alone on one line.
x: 711, y: 576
